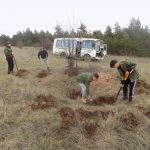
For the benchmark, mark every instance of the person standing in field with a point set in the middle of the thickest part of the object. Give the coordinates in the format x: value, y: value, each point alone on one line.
x: 43, y: 55
x: 84, y: 80
x: 130, y: 75
x: 9, y: 57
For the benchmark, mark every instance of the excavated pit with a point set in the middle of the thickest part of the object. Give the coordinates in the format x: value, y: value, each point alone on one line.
x: 103, y: 100
x: 22, y: 73
x: 42, y: 75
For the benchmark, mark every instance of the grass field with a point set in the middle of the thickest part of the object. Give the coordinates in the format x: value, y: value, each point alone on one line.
x: 69, y: 124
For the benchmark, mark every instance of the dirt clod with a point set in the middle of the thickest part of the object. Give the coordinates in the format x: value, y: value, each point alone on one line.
x: 68, y: 117
x: 42, y: 75
x: 129, y: 120
x: 22, y: 73
x: 43, y: 102
x: 103, y: 100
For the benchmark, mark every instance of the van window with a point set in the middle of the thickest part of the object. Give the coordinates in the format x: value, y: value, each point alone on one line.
x: 58, y: 43
x: 89, y: 44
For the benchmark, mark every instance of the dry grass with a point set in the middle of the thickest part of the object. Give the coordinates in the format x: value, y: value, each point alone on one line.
x: 22, y: 128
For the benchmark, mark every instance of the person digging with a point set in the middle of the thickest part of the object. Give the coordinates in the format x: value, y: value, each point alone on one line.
x: 9, y: 57
x: 84, y: 80
x: 43, y: 55
x: 130, y: 75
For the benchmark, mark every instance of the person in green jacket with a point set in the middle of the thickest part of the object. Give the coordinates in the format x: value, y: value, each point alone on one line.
x: 9, y: 57
x: 130, y: 75
x: 84, y: 80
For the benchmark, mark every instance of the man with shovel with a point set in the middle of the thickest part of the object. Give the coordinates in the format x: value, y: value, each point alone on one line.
x: 43, y: 55
x: 9, y: 57
x: 130, y: 75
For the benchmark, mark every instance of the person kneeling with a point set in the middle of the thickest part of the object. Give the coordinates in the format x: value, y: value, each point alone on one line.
x: 84, y: 80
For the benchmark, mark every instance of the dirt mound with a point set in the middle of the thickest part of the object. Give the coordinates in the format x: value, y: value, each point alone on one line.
x: 43, y: 102
x: 143, y: 87
x: 130, y: 121
x: 102, y: 100
x: 104, y: 79
x: 89, y: 129
x: 42, y: 75
x: 68, y: 118
x: 84, y: 114
x: 22, y: 73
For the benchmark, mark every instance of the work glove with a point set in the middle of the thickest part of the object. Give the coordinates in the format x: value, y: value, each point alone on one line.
x: 123, y: 82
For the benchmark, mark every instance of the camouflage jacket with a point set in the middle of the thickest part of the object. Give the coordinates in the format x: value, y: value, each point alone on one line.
x: 128, y: 66
x: 8, y: 52
x: 85, y: 78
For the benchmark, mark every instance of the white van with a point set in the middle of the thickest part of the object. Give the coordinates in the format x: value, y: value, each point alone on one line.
x: 87, y: 49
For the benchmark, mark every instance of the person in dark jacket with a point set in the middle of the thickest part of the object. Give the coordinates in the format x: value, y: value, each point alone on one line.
x: 43, y: 55
x: 9, y: 57
x: 130, y: 75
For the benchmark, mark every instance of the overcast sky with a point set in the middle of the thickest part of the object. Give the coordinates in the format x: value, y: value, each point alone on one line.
x: 17, y: 15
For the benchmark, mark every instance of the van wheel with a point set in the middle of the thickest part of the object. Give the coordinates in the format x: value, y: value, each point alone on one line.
x: 87, y: 57
x: 63, y: 54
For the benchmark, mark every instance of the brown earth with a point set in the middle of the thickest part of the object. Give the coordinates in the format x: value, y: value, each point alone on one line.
x: 89, y: 130
x: 129, y: 120
x: 143, y: 87
x: 22, y: 73
x: 85, y: 114
x: 102, y: 100
x: 68, y: 118
x: 42, y: 75
x: 43, y: 102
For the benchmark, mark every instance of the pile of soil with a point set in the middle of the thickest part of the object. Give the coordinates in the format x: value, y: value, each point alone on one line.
x: 104, y: 79
x: 42, y: 75
x: 129, y: 120
x: 68, y: 118
x: 84, y: 114
x: 143, y: 87
x: 22, y: 73
x: 103, y: 100
x: 43, y: 102
x: 89, y: 129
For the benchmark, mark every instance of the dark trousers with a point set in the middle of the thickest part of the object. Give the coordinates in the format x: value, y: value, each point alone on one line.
x: 10, y: 64
x: 129, y: 86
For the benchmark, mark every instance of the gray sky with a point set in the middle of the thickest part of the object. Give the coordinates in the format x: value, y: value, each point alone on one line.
x: 17, y: 15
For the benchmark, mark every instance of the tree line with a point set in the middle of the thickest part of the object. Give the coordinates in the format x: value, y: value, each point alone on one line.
x: 131, y: 40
